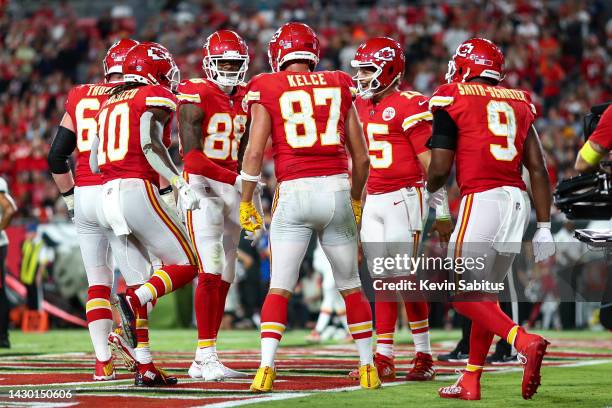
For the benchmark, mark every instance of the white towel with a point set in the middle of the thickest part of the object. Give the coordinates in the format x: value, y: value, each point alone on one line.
x: 413, y: 208
x: 111, y: 206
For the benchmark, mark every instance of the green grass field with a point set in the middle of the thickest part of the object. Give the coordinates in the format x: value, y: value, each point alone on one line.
x: 587, y: 384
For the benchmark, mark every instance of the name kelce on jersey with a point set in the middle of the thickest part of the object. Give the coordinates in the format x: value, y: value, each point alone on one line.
x: 306, y: 80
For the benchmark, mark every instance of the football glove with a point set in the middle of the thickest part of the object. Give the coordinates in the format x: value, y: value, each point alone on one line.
x: 68, y: 197
x: 187, y: 196
x: 250, y: 219
x: 436, y: 198
x: 356, y: 204
x: 543, y: 244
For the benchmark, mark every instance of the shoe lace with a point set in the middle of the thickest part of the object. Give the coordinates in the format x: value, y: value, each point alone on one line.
x: 455, y: 388
x: 521, y: 358
x: 420, y: 365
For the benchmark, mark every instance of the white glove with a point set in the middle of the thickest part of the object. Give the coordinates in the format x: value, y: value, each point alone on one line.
x: 543, y: 244
x: 69, y: 200
x: 187, y: 196
x: 436, y: 198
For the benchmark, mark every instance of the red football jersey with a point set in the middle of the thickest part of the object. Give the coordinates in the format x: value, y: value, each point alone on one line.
x: 82, y: 105
x: 308, y: 112
x: 397, y: 129
x: 121, y: 154
x: 492, y: 123
x: 224, y: 119
x: 603, y: 132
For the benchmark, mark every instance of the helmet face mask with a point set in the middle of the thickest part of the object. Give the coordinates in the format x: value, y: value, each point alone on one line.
x: 226, y: 70
x: 366, y: 78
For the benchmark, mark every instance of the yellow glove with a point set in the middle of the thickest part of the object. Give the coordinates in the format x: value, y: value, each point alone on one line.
x: 248, y: 212
x: 356, y: 204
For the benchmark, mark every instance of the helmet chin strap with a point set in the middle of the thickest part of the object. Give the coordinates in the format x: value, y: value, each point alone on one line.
x: 394, y: 82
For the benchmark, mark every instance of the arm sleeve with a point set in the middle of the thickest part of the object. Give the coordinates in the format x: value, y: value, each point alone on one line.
x: 603, y: 132
x: 62, y: 147
x: 444, y: 132
x: 196, y: 162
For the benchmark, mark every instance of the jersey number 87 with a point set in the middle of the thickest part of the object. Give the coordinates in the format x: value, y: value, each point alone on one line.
x: 304, y: 117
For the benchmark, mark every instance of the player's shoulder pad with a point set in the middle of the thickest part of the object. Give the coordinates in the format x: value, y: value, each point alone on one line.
x: 414, y: 108
x: 253, y: 89
x: 160, y: 97
x: 193, y: 90
x: 443, y: 96
x: 529, y: 101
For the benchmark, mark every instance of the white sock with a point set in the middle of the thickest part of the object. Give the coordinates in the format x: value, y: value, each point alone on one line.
x: 98, y: 332
x: 144, y: 294
x: 322, y: 321
x: 421, y: 342
x: 268, y: 351
x: 344, y: 322
x: 143, y: 355
x: 385, y: 349
x: 202, y: 353
x: 364, y: 347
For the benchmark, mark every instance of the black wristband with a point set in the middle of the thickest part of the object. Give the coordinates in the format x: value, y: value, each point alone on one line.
x: 165, y: 190
x: 68, y: 193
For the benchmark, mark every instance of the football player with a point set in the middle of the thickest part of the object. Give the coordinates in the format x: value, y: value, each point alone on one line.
x: 397, y: 126
x: 80, y: 194
x: 130, y: 152
x: 487, y: 130
x: 311, y: 119
x: 212, y: 121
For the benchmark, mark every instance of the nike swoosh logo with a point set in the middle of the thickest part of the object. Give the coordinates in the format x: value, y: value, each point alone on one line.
x: 422, y: 103
x: 394, y: 203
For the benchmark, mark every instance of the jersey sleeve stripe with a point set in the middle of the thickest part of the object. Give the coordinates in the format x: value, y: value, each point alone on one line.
x: 253, y: 96
x: 413, y: 119
x: 189, y: 98
x: 440, y: 101
x: 159, y: 101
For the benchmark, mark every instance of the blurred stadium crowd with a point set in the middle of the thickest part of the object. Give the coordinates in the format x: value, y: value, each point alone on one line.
x: 559, y: 51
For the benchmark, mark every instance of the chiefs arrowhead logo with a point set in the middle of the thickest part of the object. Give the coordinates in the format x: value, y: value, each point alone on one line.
x: 385, y: 54
x: 464, y: 49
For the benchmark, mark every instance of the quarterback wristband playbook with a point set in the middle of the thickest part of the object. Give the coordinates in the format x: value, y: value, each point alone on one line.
x: 248, y: 177
x: 442, y: 210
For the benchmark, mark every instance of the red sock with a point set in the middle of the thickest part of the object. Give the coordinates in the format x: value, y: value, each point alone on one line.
x: 418, y: 316
x: 386, y: 318
x: 206, y: 303
x: 488, y: 314
x: 98, y: 303
x: 170, y: 278
x: 480, y: 342
x: 222, y: 295
x: 274, y: 316
x: 358, y: 315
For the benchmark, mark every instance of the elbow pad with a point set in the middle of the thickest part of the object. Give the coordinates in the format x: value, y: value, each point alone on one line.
x: 61, y: 149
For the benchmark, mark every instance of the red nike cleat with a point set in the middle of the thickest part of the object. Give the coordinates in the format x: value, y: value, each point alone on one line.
x: 467, y: 387
x: 105, y: 370
x: 384, y: 365
x: 147, y: 375
x: 531, y: 349
x: 423, y: 369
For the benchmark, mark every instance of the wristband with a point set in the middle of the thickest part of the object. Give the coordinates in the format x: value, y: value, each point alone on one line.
x: 165, y: 190
x: 543, y: 225
x: 248, y: 177
x: 590, y: 155
x: 68, y: 193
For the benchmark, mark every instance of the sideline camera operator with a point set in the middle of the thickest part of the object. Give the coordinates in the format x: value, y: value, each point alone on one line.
x: 599, y: 143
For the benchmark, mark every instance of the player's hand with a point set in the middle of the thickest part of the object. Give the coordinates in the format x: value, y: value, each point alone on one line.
x: 187, y: 196
x: 356, y: 204
x: 444, y: 228
x: 253, y: 236
x: 543, y: 244
x: 250, y: 219
x: 69, y: 200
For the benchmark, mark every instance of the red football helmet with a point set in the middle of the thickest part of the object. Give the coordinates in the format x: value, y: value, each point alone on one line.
x: 225, y: 45
x: 293, y: 41
x: 116, y: 54
x: 476, y: 57
x: 151, y: 63
x: 386, y: 56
